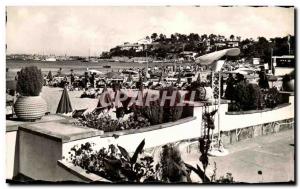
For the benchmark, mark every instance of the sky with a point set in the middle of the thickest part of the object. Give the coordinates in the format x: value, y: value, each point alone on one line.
x: 87, y: 31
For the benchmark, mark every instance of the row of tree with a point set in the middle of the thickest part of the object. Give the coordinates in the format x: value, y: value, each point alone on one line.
x: 162, y: 47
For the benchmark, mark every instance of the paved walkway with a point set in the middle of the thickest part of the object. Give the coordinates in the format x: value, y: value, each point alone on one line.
x: 273, y: 155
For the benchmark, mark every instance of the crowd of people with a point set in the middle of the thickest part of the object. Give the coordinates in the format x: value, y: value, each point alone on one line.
x: 155, y: 78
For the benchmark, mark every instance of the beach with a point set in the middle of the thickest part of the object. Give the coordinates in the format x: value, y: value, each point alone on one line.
x: 78, y: 67
x: 52, y: 96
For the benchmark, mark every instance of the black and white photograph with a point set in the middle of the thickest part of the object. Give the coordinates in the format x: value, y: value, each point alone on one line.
x: 162, y: 94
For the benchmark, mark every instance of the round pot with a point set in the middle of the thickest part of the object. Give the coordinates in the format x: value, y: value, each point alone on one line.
x: 30, y: 108
x: 290, y: 85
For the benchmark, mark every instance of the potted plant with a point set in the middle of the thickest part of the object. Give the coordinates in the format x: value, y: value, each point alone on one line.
x: 288, y: 82
x: 29, y: 105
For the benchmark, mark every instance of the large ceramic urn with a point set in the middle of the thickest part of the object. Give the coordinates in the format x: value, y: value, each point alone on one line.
x: 30, y: 108
x: 289, y: 85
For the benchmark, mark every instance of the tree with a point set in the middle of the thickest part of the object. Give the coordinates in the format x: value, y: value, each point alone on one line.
x: 203, y: 37
x: 281, y: 45
x: 212, y: 36
x: 231, y: 37
x: 173, y: 38
x: 182, y: 38
x: 262, y: 48
x: 194, y: 37
x: 162, y: 37
x: 154, y: 36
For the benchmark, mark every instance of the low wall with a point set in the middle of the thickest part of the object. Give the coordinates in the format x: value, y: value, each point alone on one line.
x: 236, y: 120
x: 35, y: 148
x: 38, y: 158
x: 11, y: 154
x: 43, y: 144
x: 186, y: 128
x: 239, y: 134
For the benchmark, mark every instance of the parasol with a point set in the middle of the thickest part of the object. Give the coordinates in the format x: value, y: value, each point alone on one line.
x: 212, y: 58
x: 64, y: 105
x: 113, y: 75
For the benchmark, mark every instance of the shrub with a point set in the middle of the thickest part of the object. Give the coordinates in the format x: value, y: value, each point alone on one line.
x: 272, y: 98
x: 200, y: 92
x: 107, y: 124
x: 248, y: 96
x: 285, y: 81
x: 30, y: 81
x: 153, y: 112
x: 171, y: 112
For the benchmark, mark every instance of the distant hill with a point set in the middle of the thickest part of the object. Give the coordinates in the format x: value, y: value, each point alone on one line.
x: 183, y: 46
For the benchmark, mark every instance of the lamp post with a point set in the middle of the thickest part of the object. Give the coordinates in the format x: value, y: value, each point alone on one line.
x: 219, y: 105
x: 217, y: 148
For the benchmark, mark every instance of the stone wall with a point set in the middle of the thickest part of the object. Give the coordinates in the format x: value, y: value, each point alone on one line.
x: 235, y: 135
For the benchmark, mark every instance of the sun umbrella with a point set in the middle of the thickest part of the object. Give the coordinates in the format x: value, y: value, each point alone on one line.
x: 113, y: 75
x: 97, y: 72
x: 129, y: 72
x: 238, y: 71
x: 211, y: 58
x: 64, y: 105
x: 49, y: 76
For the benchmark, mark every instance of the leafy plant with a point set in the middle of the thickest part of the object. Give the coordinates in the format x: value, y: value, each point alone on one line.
x: 228, y: 178
x: 272, y: 98
x: 128, y: 166
x: 204, y: 146
x: 115, y: 164
x: 30, y: 81
x: 173, y: 168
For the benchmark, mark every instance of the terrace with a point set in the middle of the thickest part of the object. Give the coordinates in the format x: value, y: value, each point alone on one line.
x: 58, y: 147
x: 40, y: 150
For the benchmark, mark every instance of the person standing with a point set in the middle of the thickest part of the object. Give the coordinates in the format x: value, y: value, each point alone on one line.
x: 59, y: 72
x: 229, y: 91
x: 92, y: 80
x: 263, y: 79
x: 17, y: 76
x: 86, y: 79
x: 72, y: 77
